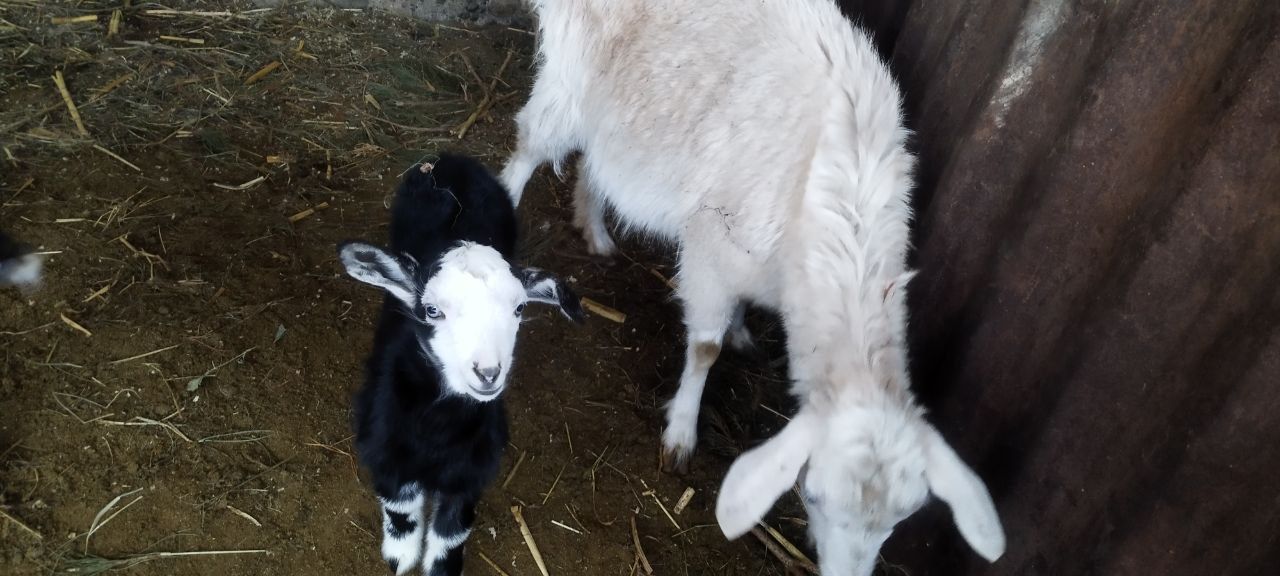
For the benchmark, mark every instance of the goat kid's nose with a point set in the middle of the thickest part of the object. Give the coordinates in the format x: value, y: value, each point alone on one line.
x: 487, y: 375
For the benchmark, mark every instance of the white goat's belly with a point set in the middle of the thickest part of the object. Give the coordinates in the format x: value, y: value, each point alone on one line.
x: 640, y: 200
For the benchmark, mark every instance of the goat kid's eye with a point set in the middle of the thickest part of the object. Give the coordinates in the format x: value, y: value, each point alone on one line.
x: 434, y: 313
x: 520, y: 309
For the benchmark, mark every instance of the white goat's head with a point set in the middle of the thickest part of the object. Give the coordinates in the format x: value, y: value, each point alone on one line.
x: 862, y: 469
x: 465, y: 307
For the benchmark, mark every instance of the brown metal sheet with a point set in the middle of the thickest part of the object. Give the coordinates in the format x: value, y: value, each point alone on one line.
x: 1096, y: 325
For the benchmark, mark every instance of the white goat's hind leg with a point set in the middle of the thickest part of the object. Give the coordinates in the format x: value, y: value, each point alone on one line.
x: 519, y: 168
x: 547, y: 127
x: 402, y: 528
x: 588, y: 215
x: 707, y: 310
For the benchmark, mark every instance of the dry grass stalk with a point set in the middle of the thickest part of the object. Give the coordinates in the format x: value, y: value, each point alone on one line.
x: 492, y: 565
x: 245, y: 186
x: 91, y: 565
x: 635, y: 538
x: 683, y: 501
x: 182, y: 39
x: 117, y: 157
x: 791, y: 548
x: 22, y: 525
x: 653, y: 494
x: 198, y: 13
x: 109, y: 86
x: 262, y: 73
x: 566, y: 527
x: 99, y: 292
x: 489, y: 98
x: 113, y: 27
x: 99, y: 522
x: 140, y: 421
x: 74, y: 19
x: 528, y: 540
x: 514, y: 469
x: 27, y: 331
x: 603, y: 311
x: 553, y: 484
x: 307, y: 213
x: 790, y: 563
x: 74, y: 325
x: 243, y: 514
x: 670, y: 282
x: 61, y: 83
x: 143, y: 355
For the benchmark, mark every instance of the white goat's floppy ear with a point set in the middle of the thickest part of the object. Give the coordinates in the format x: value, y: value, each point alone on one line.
x: 540, y: 286
x: 971, y: 506
x: 372, y: 265
x: 761, y: 475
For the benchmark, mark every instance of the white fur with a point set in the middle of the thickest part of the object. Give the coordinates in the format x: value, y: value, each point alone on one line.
x: 478, y: 295
x: 406, y: 550
x: 23, y: 272
x: 765, y: 138
x: 438, y: 547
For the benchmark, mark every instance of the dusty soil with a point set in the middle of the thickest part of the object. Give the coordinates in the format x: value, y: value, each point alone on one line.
x: 185, y: 374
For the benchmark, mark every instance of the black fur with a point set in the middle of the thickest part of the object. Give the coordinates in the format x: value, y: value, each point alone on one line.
x: 408, y: 429
x: 459, y: 200
x: 401, y: 524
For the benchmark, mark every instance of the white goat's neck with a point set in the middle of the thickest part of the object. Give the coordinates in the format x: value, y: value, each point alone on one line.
x: 844, y: 298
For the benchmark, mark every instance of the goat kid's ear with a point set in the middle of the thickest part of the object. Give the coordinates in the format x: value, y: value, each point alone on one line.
x: 971, y: 507
x: 373, y: 265
x: 544, y: 287
x: 763, y: 474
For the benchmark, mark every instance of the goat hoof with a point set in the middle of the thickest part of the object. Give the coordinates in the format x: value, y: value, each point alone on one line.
x: 675, y: 462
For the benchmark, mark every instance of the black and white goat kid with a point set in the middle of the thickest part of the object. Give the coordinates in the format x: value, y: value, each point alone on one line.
x: 430, y: 422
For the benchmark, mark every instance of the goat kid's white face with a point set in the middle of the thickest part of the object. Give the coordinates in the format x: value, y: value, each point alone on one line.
x: 472, y: 306
x: 860, y: 475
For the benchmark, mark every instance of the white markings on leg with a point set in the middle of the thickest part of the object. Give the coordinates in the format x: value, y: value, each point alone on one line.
x: 681, y: 434
x: 403, y: 522
x: 708, y: 310
x: 438, y: 547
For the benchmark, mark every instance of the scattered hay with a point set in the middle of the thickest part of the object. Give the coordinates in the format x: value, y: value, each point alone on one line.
x: 91, y: 565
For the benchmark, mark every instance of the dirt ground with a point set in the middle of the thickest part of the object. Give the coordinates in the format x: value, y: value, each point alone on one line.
x: 182, y: 382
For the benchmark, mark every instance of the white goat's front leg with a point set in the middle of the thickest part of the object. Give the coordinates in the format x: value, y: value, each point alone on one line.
x: 708, y: 310
x: 588, y: 214
x: 403, y: 526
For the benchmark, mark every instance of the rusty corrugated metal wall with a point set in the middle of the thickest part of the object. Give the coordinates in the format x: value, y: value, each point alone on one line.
x: 1096, y: 325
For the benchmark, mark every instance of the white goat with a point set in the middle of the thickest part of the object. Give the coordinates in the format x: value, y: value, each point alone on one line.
x: 766, y: 139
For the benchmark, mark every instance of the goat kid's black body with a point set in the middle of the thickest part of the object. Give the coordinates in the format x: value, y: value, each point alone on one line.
x: 418, y: 441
